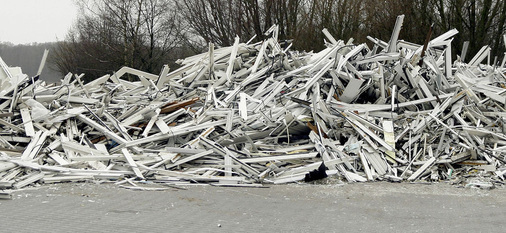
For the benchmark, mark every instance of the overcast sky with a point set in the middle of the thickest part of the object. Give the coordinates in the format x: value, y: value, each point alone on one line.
x: 27, y: 21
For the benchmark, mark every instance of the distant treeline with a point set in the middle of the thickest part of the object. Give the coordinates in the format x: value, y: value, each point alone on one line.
x: 146, y: 34
x: 28, y: 57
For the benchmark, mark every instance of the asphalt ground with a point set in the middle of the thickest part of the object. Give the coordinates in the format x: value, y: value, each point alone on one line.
x: 360, y: 207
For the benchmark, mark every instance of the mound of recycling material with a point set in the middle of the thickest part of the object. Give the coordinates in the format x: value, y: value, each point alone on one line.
x: 261, y: 113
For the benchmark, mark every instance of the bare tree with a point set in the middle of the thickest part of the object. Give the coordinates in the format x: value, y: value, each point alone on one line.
x: 214, y: 20
x: 219, y: 21
x: 115, y: 33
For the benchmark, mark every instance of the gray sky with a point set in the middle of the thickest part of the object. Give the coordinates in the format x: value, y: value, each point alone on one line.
x: 27, y: 21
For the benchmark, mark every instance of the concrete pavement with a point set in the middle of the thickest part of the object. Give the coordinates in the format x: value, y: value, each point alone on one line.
x: 364, y: 207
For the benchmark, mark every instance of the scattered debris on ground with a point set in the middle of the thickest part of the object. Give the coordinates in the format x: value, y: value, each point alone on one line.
x: 261, y: 113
